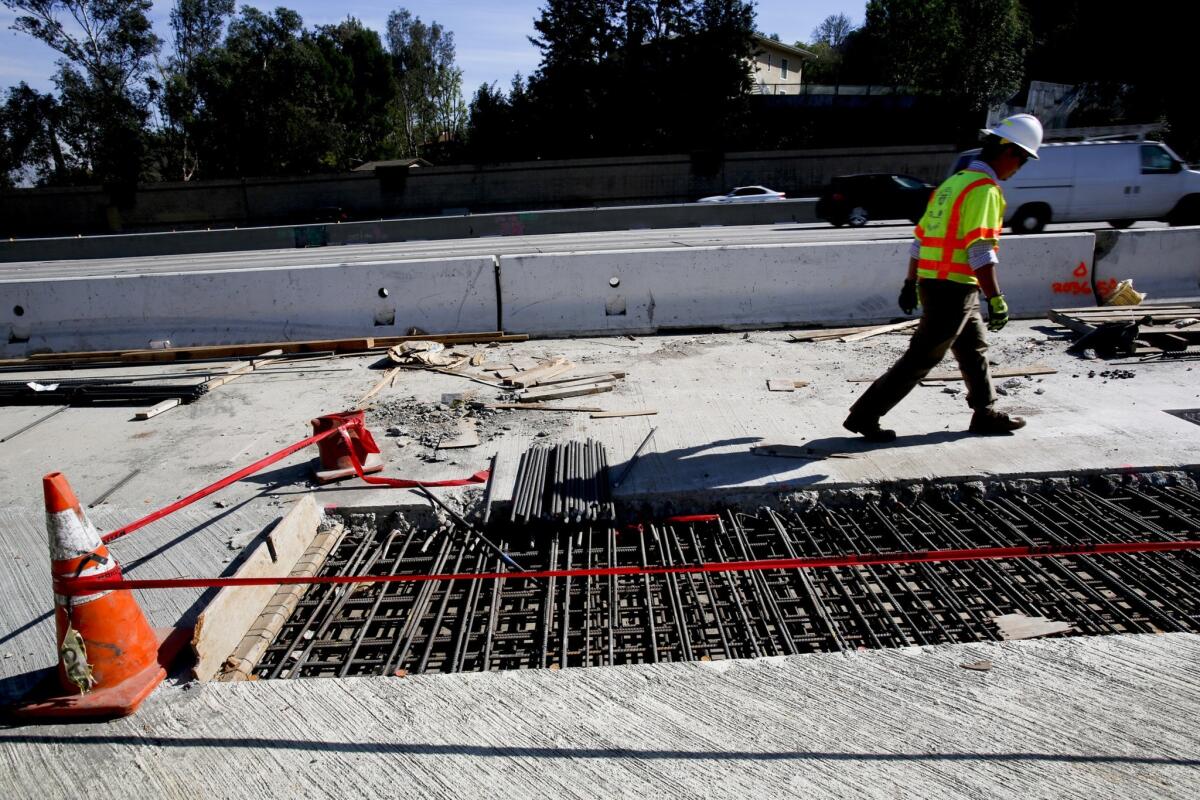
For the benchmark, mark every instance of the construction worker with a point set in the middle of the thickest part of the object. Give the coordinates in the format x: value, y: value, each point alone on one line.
x: 953, y: 259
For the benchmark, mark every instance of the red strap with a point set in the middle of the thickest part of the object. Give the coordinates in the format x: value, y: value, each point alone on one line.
x: 68, y: 585
x: 400, y: 483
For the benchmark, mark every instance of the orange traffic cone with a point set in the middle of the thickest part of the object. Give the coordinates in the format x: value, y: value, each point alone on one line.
x: 110, y: 659
x: 334, y: 462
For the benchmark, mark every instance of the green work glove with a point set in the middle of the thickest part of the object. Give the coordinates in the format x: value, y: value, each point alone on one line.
x: 908, y: 297
x: 997, y: 313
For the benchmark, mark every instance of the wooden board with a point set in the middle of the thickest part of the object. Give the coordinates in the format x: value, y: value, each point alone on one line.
x: 898, y: 326
x: 387, y: 378
x: 256, y: 348
x: 785, y: 384
x: 568, y: 391
x: 223, y: 623
x: 155, y: 410
x: 591, y: 377
x: 240, y: 664
x: 542, y: 372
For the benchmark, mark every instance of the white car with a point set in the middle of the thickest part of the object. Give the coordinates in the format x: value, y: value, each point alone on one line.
x: 746, y: 194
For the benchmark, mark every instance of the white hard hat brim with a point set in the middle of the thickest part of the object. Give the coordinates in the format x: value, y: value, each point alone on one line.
x: 989, y: 132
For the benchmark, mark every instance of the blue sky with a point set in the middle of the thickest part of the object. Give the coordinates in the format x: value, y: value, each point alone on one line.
x: 490, y: 37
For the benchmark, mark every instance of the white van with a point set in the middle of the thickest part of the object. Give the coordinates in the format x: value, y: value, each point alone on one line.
x: 1114, y: 182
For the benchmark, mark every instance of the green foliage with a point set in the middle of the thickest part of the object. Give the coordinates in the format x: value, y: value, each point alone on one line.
x: 105, y: 83
x: 638, y: 76
x: 428, y: 110
x: 969, y: 51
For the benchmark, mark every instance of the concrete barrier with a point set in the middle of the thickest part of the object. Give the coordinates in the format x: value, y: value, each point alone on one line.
x: 1045, y: 271
x: 1162, y: 263
x: 750, y: 286
x: 465, y: 226
x: 236, y: 306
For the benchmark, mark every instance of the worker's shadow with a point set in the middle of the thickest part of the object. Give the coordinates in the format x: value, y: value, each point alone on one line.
x: 711, y: 465
x: 849, y: 446
x: 714, y: 465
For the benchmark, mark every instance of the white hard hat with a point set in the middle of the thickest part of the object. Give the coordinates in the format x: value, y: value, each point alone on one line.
x: 1023, y: 130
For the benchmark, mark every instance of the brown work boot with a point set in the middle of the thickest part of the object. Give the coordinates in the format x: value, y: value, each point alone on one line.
x: 869, y: 428
x: 991, y: 421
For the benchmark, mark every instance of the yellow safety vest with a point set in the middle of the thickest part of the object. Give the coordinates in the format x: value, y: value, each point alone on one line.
x: 968, y: 207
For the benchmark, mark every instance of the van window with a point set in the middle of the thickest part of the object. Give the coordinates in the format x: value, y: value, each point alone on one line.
x: 1156, y: 160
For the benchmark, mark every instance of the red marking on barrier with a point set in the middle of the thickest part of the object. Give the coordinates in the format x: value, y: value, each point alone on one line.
x: 76, y: 586
x: 1081, y: 270
x: 1071, y: 287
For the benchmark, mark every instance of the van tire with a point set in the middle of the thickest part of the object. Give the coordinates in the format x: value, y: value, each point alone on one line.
x: 1186, y: 212
x: 1121, y: 224
x: 1031, y: 218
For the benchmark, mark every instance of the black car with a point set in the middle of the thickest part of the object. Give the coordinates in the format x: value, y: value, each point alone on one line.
x: 856, y: 199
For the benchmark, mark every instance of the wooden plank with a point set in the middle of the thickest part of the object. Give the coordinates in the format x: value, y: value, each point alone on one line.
x: 155, y: 410
x: 544, y: 371
x: 471, y: 376
x: 540, y: 407
x: 1006, y: 372
x: 255, y: 348
x: 590, y: 377
x: 377, y: 388
x: 897, y: 326
x: 826, y: 333
x: 223, y: 623
x: 644, y: 412
x: 240, y: 665
x: 570, y: 391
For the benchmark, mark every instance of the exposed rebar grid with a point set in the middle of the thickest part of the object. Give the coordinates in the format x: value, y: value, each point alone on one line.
x: 519, y: 623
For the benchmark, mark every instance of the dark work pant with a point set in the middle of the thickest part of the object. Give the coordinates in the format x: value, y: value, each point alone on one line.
x: 950, y: 321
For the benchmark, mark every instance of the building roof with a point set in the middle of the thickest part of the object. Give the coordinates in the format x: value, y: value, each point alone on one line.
x: 774, y: 44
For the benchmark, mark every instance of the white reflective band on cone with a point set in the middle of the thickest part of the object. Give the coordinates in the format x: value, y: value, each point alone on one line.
x: 71, y: 535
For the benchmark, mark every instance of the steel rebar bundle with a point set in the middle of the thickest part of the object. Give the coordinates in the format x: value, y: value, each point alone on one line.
x: 565, y: 483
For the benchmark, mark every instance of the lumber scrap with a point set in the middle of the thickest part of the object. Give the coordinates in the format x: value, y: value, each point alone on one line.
x: 797, y: 451
x: 155, y: 410
x: 387, y: 378
x: 225, y: 621
x: 554, y: 393
x: 239, y: 666
x: 351, y: 345
x: 542, y: 372
x: 591, y: 377
x: 785, y: 384
x: 898, y: 326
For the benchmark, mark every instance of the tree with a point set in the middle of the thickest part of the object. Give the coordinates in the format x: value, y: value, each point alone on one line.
x: 29, y: 140
x: 429, y: 106
x: 973, y: 55
x: 198, y: 26
x: 104, y: 79
x: 833, y: 31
